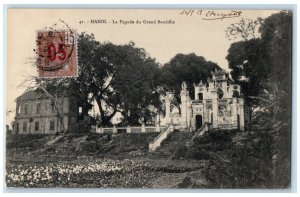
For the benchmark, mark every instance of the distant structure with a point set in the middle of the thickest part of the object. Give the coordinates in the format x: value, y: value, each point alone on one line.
x: 36, y: 114
x: 218, y: 104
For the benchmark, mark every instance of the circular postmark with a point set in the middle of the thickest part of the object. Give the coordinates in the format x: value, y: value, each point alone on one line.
x: 54, y: 49
x: 56, y: 52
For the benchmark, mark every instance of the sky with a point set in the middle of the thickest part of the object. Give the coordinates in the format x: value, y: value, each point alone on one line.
x: 187, y: 32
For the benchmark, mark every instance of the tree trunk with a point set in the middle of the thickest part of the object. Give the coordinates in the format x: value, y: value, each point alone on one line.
x: 112, y: 115
x: 55, y: 101
x: 102, y: 116
x: 105, y: 119
x: 250, y: 115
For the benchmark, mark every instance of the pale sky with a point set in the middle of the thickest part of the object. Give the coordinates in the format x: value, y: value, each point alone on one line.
x: 162, y: 41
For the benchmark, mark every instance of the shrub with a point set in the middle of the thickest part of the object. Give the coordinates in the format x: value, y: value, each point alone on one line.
x: 198, y: 154
x: 180, y: 152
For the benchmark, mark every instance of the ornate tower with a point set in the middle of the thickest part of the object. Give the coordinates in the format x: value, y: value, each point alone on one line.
x: 168, y: 108
x: 185, y: 106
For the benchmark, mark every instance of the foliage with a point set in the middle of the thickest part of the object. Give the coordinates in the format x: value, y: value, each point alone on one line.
x: 189, y: 68
x: 237, y: 159
x: 180, y: 152
x: 245, y: 29
x: 246, y: 62
x: 276, y: 36
x: 136, y: 86
x: 120, y: 78
x: 71, y: 145
x: 265, y: 63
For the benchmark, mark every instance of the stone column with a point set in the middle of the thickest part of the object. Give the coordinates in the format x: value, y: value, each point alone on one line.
x: 242, y: 114
x: 189, y: 114
x: 168, y: 108
x: 215, y: 113
x: 128, y: 130
x: 157, y: 119
x: 157, y: 128
x: 143, y: 128
x: 196, y: 92
x: 184, y: 111
x: 184, y: 100
x: 234, y: 113
x: 115, y: 129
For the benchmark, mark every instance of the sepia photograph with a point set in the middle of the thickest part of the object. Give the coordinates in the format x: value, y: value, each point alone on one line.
x: 148, y: 98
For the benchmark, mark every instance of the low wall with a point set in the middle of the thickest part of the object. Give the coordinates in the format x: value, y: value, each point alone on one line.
x: 141, y: 129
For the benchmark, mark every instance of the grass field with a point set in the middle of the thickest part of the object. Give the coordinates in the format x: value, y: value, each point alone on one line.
x: 216, y: 160
x: 100, y: 173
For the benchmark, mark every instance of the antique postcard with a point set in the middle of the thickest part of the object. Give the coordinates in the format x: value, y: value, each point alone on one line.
x: 148, y: 98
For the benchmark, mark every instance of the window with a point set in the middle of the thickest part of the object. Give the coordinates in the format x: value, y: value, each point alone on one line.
x: 200, y: 96
x: 46, y: 107
x: 220, y: 93
x: 19, y: 109
x: 38, y: 108
x: 235, y: 94
x: 53, y: 107
x: 80, y: 116
x: 24, y: 126
x: 52, y: 125
x: 26, y: 109
x: 36, y: 126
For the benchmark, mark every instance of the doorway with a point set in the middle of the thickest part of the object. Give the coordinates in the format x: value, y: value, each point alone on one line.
x: 200, y: 96
x: 198, y: 122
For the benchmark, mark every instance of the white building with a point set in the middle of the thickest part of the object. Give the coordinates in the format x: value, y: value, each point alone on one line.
x: 218, y: 104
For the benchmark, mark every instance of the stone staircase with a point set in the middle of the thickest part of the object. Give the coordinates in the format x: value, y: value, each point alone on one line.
x: 168, y: 147
x: 201, y: 131
x: 160, y: 138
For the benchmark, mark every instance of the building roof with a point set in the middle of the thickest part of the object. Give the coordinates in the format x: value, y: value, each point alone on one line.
x: 209, y: 79
x: 219, y: 72
x: 39, y: 94
x: 32, y: 94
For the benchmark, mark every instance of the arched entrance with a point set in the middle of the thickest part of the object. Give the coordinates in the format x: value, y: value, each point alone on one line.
x: 198, y: 122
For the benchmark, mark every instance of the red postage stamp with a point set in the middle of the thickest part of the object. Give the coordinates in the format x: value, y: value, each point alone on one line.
x: 57, y: 54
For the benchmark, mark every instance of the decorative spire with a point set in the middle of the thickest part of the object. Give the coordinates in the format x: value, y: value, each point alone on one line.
x: 184, y: 88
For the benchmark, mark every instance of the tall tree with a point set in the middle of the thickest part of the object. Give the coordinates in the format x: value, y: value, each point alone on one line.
x: 248, y: 68
x: 96, y: 71
x: 137, y: 88
x: 276, y: 38
x: 189, y: 68
x: 263, y: 65
x: 266, y: 64
x: 121, y: 78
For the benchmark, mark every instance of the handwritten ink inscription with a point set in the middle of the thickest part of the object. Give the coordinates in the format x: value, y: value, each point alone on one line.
x: 212, y: 14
